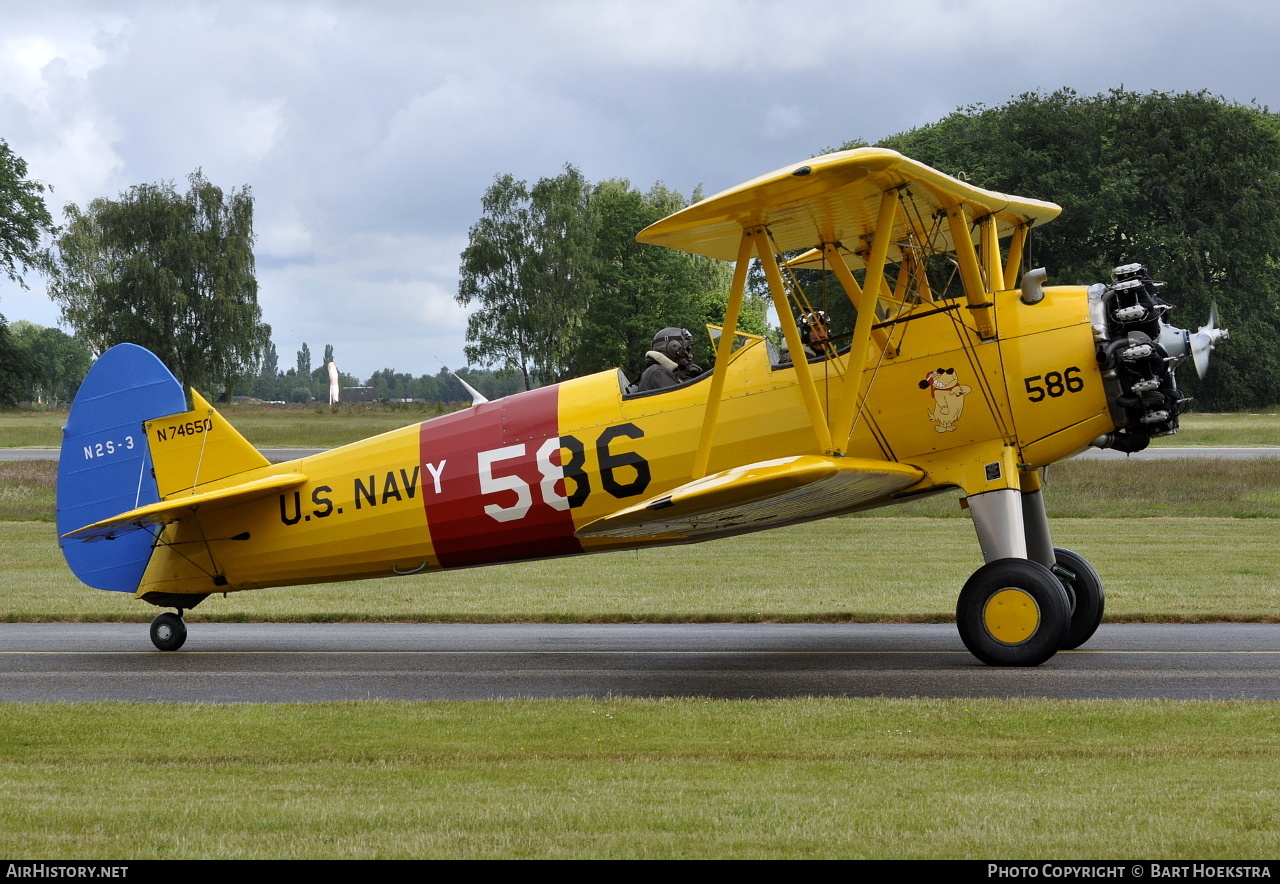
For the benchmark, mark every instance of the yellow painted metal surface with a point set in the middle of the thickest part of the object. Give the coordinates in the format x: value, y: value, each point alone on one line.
x: 756, y: 496
x: 180, y: 507
x: 197, y: 447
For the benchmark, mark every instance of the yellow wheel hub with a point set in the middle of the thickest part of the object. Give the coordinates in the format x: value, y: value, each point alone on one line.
x: 1011, y: 616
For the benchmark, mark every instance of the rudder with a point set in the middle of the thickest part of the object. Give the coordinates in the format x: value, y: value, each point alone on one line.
x: 105, y: 466
x: 132, y: 440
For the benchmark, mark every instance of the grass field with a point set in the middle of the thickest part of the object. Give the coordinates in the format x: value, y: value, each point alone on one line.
x: 862, y: 570
x: 617, y: 778
x: 693, y: 777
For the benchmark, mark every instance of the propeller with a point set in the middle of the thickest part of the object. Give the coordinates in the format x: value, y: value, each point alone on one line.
x: 1204, y: 340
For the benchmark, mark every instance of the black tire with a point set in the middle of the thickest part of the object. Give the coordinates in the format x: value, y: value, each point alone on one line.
x: 1086, y: 597
x: 168, y: 632
x: 1013, y: 612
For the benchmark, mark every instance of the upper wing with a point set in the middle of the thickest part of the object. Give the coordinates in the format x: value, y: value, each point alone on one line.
x: 759, y: 495
x: 834, y: 198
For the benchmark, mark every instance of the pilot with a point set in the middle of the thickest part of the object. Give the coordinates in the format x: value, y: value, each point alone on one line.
x: 670, y: 360
x: 814, y: 333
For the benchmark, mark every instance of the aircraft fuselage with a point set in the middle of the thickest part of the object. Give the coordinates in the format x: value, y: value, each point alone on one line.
x: 516, y: 478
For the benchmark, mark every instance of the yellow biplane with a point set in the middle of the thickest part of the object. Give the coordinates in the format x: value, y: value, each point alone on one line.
x: 958, y: 374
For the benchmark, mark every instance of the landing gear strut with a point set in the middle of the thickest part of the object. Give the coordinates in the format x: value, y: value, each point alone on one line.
x: 168, y: 631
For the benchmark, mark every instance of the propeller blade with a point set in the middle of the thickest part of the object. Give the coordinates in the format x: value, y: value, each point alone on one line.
x: 1204, y: 340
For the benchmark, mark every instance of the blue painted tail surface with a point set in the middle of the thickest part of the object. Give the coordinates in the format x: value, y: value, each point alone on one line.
x: 105, y: 465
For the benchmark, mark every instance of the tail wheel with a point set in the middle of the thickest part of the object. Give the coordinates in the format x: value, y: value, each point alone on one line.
x: 1013, y: 612
x: 168, y: 631
x: 1084, y: 588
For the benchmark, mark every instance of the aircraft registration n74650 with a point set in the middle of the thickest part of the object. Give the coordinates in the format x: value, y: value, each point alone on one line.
x: 959, y: 374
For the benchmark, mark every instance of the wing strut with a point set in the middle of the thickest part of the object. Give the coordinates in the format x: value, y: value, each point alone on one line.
x: 777, y: 290
x: 723, y: 351
x: 990, y: 239
x: 1014, y: 260
x: 975, y: 290
x: 845, y: 409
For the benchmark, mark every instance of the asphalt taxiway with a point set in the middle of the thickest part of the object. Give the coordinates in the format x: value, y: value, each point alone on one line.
x: 277, y: 663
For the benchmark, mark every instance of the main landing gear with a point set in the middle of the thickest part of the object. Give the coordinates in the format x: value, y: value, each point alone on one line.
x: 1031, y: 599
x: 168, y: 631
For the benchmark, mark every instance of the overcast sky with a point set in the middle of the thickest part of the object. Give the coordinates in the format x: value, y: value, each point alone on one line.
x: 369, y: 131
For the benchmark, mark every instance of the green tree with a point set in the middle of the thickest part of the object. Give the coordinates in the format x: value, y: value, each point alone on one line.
x: 270, y: 367
x: 57, y: 362
x: 527, y: 267
x: 24, y: 218
x: 564, y: 289
x: 1188, y: 184
x: 266, y: 385
x: 172, y: 272
x: 641, y: 289
x: 16, y: 368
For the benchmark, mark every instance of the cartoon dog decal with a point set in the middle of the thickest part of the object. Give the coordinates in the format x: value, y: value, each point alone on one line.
x: 948, y: 398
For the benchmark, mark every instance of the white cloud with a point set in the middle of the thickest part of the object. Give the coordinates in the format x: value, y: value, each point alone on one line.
x: 782, y: 120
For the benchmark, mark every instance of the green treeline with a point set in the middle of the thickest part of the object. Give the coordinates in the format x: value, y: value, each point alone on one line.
x: 303, y: 383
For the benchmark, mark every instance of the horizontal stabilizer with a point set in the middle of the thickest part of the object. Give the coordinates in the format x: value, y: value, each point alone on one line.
x: 177, y: 508
x: 759, y: 495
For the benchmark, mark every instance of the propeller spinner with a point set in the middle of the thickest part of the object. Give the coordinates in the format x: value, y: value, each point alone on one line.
x: 1180, y: 343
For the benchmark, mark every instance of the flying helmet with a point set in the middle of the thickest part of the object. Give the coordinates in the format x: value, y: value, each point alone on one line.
x: 674, y: 343
x: 814, y: 327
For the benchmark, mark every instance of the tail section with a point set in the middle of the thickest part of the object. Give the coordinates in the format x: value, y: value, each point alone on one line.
x: 195, y: 448
x: 105, y: 465
x: 131, y: 442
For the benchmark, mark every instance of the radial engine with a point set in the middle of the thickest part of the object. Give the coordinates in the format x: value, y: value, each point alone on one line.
x: 1138, y: 352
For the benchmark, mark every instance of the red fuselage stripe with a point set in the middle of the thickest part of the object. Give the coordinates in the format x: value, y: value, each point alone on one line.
x: 492, y: 503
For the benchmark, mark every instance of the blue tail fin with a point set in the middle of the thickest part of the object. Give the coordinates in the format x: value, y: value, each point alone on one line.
x: 105, y: 468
